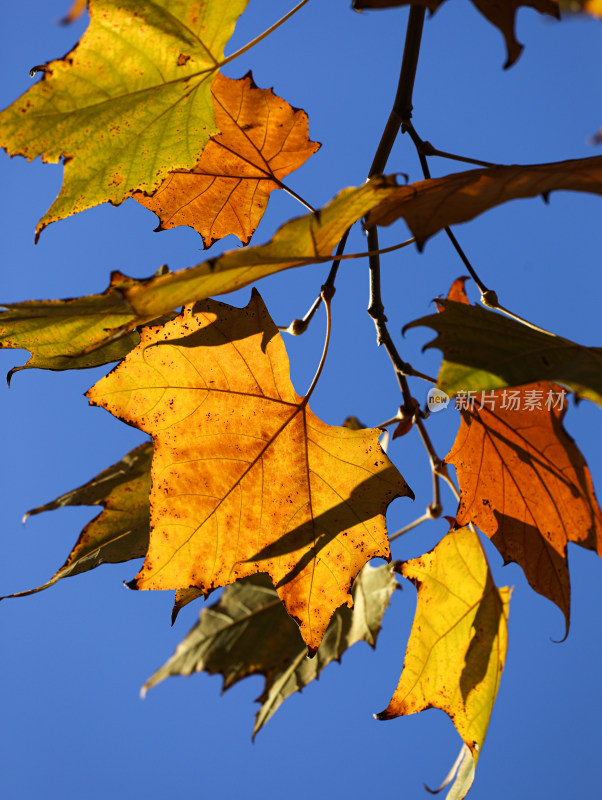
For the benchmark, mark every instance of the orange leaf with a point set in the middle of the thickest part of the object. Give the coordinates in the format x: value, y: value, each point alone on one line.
x: 457, y: 292
x: 245, y: 478
x: 431, y: 205
x: 526, y: 485
x: 262, y: 139
x: 500, y: 14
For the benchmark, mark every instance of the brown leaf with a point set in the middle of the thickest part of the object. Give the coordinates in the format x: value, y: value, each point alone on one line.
x: 457, y: 292
x: 429, y: 206
x: 500, y: 14
x: 262, y: 140
x: 245, y: 478
x: 525, y: 484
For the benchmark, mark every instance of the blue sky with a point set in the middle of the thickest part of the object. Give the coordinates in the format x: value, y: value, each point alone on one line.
x: 75, y: 656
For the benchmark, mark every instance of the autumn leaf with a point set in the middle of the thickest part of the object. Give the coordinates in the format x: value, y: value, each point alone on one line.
x: 69, y: 334
x: 525, y: 484
x: 89, y: 331
x: 120, y: 532
x: 484, y: 350
x: 245, y: 477
x: 429, y: 206
x: 129, y: 104
x: 500, y: 14
x: 299, y: 242
x: 262, y: 138
x: 248, y: 632
x: 457, y: 647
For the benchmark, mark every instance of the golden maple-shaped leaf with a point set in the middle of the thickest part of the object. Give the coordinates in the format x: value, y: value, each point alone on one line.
x: 429, y: 206
x: 525, y: 484
x: 129, y: 104
x: 501, y: 13
x: 262, y: 138
x: 245, y: 477
x: 457, y: 647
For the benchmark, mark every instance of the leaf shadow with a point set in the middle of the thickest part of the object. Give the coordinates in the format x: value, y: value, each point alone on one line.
x: 317, y: 533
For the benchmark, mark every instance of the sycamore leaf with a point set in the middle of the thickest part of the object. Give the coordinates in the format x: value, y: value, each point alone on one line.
x: 183, y: 598
x: 69, y: 334
x: 120, y: 532
x: 129, y: 104
x: 262, y: 138
x: 245, y: 477
x: 525, y: 484
x: 94, y: 330
x: 429, y: 206
x: 248, y: 632
x: 500, y: 14
x: 484, y: 350
x: 457, y: 647
x: 305, y: 240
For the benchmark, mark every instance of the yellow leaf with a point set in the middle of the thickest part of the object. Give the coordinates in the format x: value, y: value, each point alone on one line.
x: 245, y: 478
x: 457, y: 647
x: 129, y: 104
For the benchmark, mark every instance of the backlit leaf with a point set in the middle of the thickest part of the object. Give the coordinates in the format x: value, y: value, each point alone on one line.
x: 69, y: 334
x: 120, y: 532
x: 305, y: 240
x: 457, y: 647
x: 429, y: 206
x: 245, y: 477
x: 93, y: 330
x: 248, y: 632
x: 129, y: 104
x: 525, y: 484
x: 485, y: 350
x: 261, y: 140
x: 502, y: 14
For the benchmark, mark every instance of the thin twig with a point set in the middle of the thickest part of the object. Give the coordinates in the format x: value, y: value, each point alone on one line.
x: 427, y: 149
x: 402, y: 105
x: 408, y: 127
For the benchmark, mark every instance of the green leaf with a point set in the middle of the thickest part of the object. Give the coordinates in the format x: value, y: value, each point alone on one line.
x: 248, y: 632
x: 121, y: 531
x: 484, y: 350
x: 69, y: 334
x: 130, y: 103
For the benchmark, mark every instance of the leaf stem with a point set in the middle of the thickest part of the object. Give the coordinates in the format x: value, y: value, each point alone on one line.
x: 263, y: 35
x: 327, y: 295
